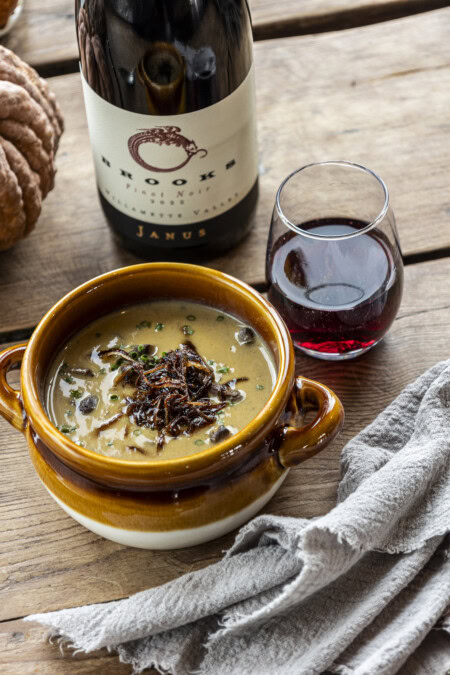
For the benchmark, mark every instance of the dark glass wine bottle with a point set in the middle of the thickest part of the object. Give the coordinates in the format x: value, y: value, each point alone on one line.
x: 169, y: 93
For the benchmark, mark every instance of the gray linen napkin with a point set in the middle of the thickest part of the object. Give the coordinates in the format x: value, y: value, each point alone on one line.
x: 354, y: 591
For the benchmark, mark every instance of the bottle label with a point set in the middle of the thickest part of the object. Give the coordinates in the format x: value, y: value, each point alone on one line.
x: 175, y: 170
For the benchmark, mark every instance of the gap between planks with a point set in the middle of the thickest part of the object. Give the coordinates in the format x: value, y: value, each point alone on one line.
x: 343, y: 19
x: 23, y: 334
x: 290, y: 26
x: 426, y: 256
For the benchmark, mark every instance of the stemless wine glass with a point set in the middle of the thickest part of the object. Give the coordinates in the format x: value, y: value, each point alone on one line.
x: 334, y: 264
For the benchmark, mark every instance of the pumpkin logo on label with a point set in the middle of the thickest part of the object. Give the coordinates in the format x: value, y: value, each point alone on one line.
x: 182, y: 149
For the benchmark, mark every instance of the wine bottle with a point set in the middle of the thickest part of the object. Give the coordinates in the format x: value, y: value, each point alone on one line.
x: 169, y: 94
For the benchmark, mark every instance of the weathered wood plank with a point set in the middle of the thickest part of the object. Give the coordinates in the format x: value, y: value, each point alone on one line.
x: 48, y: 561
x: 24, y: 650
x: 45, y: 33
x: 336, y: 95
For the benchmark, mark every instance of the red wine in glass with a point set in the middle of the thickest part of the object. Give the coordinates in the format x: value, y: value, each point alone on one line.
x: 337, y: 296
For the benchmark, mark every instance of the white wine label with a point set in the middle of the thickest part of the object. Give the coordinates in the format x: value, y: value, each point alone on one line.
x: 177, y: 169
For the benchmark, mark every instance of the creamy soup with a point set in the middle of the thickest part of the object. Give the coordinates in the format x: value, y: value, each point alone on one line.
x: 159, y: 381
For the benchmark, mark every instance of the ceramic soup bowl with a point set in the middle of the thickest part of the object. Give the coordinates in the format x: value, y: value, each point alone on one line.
x: 164, y: 504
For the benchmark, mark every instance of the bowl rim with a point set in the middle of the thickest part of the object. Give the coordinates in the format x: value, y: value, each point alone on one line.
x: 222, y: 454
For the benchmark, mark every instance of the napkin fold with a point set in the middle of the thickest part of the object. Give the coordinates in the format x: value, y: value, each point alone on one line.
x: 352, y: 592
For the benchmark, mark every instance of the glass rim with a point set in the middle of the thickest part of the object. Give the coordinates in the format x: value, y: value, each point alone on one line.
x: 331, y: 237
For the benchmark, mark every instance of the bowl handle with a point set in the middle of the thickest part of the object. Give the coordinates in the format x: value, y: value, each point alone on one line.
x: 299, y: 444
x: 10, y: 403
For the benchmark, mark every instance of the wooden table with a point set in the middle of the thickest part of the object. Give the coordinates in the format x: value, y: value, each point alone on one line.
x: 367, y: 80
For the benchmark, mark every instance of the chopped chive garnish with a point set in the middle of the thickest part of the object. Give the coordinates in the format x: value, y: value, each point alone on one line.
x: 117, y: 364
x: 187, y: 330
x: 114, y: 397
x: 163, y: 354
x: 144, y: 358
x: 134, y: 355
x: 69, y: 379
x: 141, y: 348
x: 137, y: 432
x: 224, y: 369
x: 76, y: 393
x: 259, y: 387
x: 211, y: 363
x: 199, y: 442
x: 220, y: 318
x: 159, y: 326
x: 191, y: 317
x: 102, y: 371
x: 66, y: 429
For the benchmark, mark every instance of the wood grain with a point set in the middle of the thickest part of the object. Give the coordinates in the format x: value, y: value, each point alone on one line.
x: 24, y: 650
x: 48, y: 561
x: 45, y: 33
x: 345, y: 95
x: 298, y: 17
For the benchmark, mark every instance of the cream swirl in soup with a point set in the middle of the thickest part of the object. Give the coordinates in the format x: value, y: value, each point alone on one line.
x: 160, y: 380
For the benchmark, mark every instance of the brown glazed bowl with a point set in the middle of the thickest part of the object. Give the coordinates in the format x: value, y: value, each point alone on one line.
x: 180, y: 502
